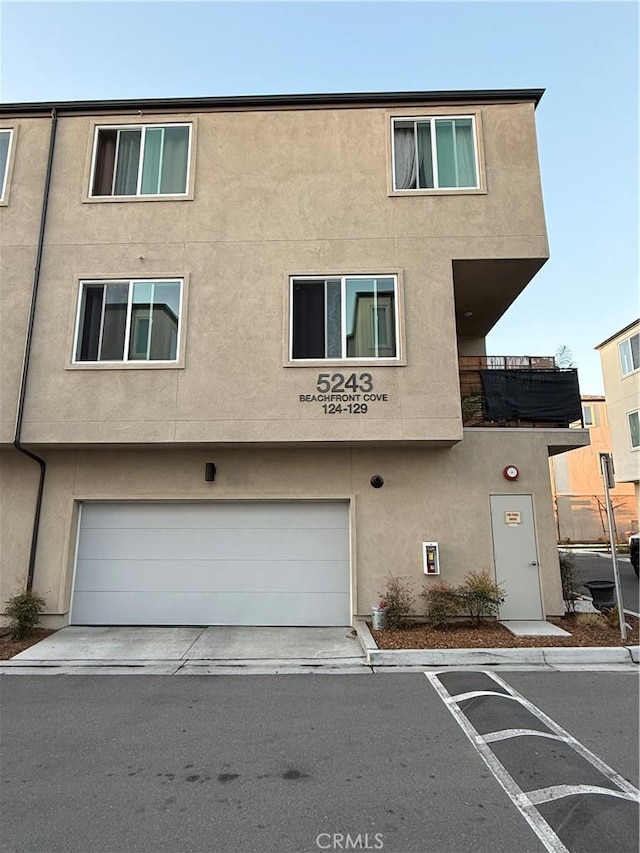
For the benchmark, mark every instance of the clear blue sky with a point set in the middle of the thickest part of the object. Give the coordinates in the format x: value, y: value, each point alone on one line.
x: 584, y: 54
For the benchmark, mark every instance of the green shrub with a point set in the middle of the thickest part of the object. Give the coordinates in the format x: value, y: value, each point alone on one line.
x: 569, y: 576
x: 23, y: 611
x: 442, y: 601
x: 399, y: 596
x: 480, y: 596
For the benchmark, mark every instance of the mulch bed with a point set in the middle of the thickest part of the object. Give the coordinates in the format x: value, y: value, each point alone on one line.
x: 9, y: 647
x: 493, y: 635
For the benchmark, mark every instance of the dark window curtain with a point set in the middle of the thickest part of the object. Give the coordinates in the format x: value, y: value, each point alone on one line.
x: 546, y: 396
x: 115, y: 321
x: 90, y: 323
x: 308, y: 319
x: 105, y: 161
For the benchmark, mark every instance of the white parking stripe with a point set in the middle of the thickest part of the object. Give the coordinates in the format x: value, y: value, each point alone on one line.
x: 607, y: 771
x: 505, y: 734
x: 460, y: 697
x: 521, y: 801
x: 556, y: 792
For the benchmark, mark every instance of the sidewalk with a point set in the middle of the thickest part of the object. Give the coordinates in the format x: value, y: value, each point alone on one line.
x: 294, y: 651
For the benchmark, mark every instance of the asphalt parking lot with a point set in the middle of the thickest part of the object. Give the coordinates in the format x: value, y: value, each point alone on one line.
x: 289, y: 763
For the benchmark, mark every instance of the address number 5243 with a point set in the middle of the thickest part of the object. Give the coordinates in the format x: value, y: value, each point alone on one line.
x: 338, y: 382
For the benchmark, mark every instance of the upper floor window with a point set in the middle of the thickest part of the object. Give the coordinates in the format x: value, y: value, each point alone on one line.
x: 434, y: 153
x: 5, y: 148
x: 344, y: 317
x: 587, y: 415
x: 630, y: 354
x: 147, y: 160
x: 128, y: 321
x: 634, y: 428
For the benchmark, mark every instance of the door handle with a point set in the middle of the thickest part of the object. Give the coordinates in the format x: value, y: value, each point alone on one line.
x: 534, y: 563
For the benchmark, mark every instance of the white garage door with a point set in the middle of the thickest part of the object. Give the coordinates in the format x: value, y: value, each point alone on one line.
x: 262, y: 563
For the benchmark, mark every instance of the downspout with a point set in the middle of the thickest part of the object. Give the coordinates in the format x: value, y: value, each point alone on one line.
x: 27, y: 355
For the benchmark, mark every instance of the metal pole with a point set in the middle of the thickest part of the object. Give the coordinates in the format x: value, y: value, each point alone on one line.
x: 605, y: 462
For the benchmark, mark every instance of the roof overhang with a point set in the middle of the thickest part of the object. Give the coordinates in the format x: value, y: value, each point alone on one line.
x: 484, y: 289
x: 270, y: 102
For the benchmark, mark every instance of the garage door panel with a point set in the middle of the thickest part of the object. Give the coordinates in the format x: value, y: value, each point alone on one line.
x: 120, y: 608
x: 207, y: 515
x: 212, y: 576
x: 213, y: 563
x: 247, y: 544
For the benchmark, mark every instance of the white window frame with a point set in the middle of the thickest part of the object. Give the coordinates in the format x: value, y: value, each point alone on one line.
x: 4, y: 178
x: 432, y: 119
x: 143, y: 128
x: 127, y: 332
x: 627, y: 341
x: 343, y: 319
x: 590, y: 421
x: 635, y: 412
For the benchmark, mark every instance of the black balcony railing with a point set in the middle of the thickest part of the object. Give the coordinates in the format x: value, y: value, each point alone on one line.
x: 518, y: 391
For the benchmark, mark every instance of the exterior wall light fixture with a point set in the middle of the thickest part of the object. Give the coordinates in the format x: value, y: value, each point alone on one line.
x: 210, y: 472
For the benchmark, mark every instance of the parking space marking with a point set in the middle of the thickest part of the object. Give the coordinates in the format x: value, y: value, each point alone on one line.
x: 556, y: 792
x: 505, y: 734
x: 524, y: 805
x: 526, y: 802
x: 593, y: 759
x: 472, y: 694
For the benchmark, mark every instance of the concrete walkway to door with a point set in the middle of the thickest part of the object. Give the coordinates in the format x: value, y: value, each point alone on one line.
x: 194, y: 650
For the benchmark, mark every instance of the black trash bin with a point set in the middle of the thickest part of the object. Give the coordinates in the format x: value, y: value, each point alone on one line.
x: 603, y: 594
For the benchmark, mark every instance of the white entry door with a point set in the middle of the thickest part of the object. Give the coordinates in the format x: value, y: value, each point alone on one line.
x: 516, y: 556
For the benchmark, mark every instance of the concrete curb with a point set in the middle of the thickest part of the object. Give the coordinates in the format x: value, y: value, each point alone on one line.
x: 537, y: 656
x: 373, y: 659
x: 608, y: 655
x: 634, y: 651
x: 365, y: 637
x: 188, y: 666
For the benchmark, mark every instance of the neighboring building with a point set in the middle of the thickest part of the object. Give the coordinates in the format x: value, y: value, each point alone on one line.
x: 245, y: 309
x: 620, y: 359
x: 578, y: 491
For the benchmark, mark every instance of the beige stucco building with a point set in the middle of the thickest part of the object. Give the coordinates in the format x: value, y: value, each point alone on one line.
x: 620, y: 360
x: 236, y: 314
x: 578, y: 488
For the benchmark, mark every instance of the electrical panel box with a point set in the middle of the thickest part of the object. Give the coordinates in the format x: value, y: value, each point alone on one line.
x: 430, y: 558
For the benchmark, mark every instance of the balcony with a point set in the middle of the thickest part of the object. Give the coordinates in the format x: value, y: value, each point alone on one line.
x: 518, y: 391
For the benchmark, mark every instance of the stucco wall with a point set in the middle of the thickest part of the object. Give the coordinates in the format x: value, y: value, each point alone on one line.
x: 275, y: 193
x: 440, y: 495
x: 576, y: 481
x: 623, y: 396
x: 19, y: 225
x: 18, y: 487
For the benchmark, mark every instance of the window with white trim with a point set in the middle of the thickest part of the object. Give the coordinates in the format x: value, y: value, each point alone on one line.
x: 634, y: 428
x: 128, y: 321
x: 630, y: 354
x: 587, y: 415
x: 435, y: 153
x: 344, y: 317
x: 5, y: 150
x: 145, y: 160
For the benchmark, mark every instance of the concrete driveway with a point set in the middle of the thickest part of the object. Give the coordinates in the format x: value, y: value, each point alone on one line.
x: 195, y: 647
